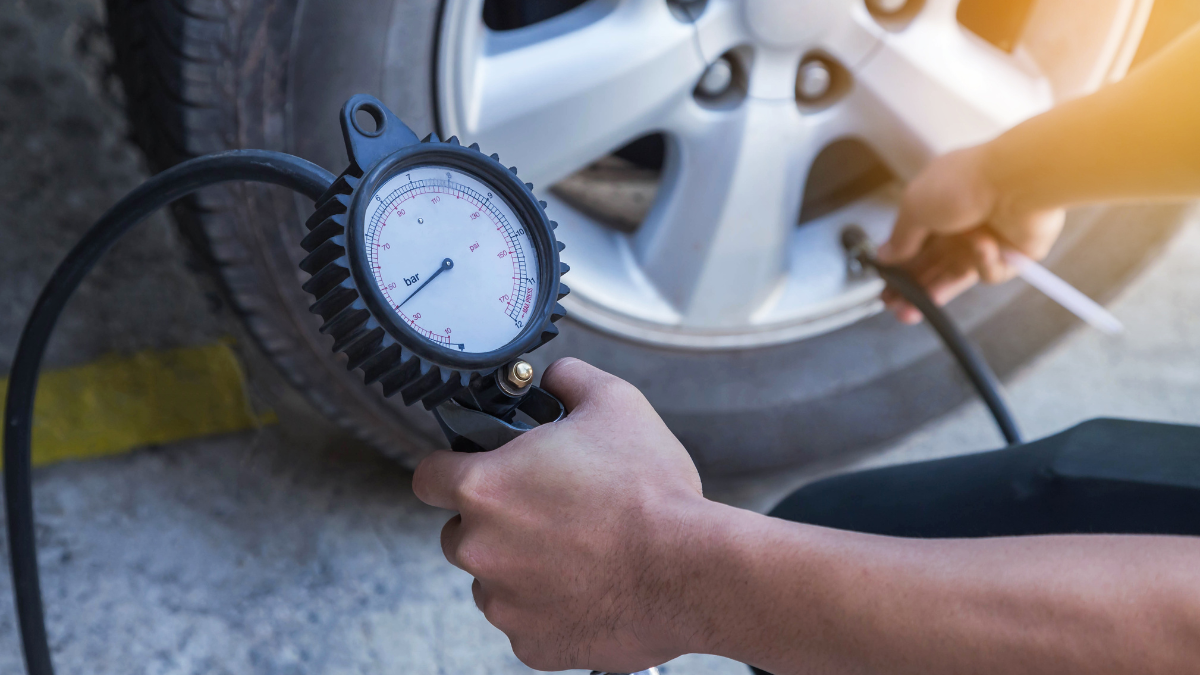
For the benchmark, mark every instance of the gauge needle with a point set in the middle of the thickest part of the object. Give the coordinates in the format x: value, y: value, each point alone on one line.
x: 447, y: 264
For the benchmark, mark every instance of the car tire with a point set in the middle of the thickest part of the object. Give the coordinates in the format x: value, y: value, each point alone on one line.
x: 204, y: 76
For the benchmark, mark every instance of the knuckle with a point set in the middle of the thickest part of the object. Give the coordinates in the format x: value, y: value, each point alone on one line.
x: 498, y: 614
x: 519, y: 628
x: 469, y: 490
x: 620, y: 391
x: 531, y: 653
x: 474, y: 559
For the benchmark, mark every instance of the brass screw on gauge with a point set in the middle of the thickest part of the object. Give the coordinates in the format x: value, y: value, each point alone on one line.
x: 520, y: 374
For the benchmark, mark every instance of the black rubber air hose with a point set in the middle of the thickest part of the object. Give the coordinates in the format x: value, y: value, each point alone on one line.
x: 258, y: 166
x: 858, y: 245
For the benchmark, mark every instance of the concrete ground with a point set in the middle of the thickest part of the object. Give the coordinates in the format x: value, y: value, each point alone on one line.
x: 291, y: 549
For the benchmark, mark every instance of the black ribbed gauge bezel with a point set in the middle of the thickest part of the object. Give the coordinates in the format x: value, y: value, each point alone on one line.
x: 528, y: 210
x: 357, y: 315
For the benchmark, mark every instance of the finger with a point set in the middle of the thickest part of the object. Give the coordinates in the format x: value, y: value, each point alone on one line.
x: 944, y: 256
x: 939, y: 254
x: 910, y: 316
x: 904, y: 311
x: 452, y: 533
x: 574, y: 381
x: 439, y: 477
x: 907, y: 313
x: 906, y: 241
x: 990, y: 264
x: 949, y: 283
x: 941, y: 291
x: 893, y: 303
x: 927, y: 273
x: 952, y: 285
x: 496, y: 608
x: 478, y: 596
x: 910, y: 231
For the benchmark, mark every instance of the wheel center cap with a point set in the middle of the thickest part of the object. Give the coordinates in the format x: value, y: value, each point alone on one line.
x: 790, y: 23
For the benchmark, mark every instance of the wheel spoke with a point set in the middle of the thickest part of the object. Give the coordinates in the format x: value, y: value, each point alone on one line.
x: 553, y: 97
x: 935, y: 87
x: 774, y: 75
x: 845, y: 32
x: 715, y: 243
x: 720, y: 28
x: 853, y: 37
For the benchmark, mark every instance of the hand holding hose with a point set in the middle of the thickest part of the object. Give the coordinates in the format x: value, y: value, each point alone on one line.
x: 1135, y: 140
x: 953, y: 226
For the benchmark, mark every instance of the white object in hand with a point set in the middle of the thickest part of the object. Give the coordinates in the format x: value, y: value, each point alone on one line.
x: 1071, y: 298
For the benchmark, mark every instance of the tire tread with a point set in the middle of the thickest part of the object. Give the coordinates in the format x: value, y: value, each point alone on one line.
x: 179, y: 62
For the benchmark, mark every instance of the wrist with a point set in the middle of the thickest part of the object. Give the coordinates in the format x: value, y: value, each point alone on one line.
x: 712, y: 554
x: 759, y: 590
x: 683, y: 551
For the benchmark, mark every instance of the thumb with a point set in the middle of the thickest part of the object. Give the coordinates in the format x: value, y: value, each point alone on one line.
x: 906, y: 241
x: 574, y: 382
x: 911, y: 231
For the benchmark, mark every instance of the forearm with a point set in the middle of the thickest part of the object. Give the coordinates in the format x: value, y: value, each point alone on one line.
x: 1134, y: 140
x: 792, y: 598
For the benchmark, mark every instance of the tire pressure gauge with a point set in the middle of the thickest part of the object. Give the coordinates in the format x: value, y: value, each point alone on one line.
x: 435, y: 269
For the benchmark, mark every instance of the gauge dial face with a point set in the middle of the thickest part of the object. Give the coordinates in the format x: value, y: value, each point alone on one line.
x: 452, y: 259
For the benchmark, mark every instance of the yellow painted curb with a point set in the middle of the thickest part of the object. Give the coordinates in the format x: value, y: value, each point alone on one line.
x: 119, y: 403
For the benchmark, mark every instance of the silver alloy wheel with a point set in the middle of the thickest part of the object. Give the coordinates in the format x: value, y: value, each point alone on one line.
x: 719, y: 261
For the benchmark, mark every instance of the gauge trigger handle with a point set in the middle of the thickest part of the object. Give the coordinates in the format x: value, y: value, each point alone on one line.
x: 470, y: 430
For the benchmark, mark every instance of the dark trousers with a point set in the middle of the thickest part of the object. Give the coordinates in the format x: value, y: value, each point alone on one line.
x: 1102, y: 477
